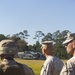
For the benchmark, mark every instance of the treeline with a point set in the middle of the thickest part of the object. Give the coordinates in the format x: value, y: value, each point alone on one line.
x: 57, y: 37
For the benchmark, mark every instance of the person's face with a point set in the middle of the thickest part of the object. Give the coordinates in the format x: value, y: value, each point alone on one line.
x: 69, y: 47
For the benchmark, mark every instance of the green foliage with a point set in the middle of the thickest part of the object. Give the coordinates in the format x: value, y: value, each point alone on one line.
x: 58, y: 37
x: 34, y: 64
x: 22, y: 45
x: 60, y: 51
x: 23, y: 35
x: 37, y: 46
x: 2, y: 37
x: 47, y: 37
x: 38, y: 35
x: 31, y: 63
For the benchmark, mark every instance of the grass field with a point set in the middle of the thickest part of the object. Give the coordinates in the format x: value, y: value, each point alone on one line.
x: 34, y: 64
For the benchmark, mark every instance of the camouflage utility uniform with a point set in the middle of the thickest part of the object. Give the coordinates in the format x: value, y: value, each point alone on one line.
x: 69, y: 67
x: 8, y: 65
x: 52, y: 66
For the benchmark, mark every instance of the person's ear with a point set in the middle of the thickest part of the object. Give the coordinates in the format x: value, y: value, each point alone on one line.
x: 74, y: 43
x: 44, y: 50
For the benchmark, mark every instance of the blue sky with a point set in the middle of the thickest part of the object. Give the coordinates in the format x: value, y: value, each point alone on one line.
x: 35, y: 15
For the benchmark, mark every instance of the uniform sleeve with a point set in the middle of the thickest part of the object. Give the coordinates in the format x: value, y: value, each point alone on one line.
x: 49, y: 70
x: 64, y: 70
x: 46, y: 70
x: 68, y: 69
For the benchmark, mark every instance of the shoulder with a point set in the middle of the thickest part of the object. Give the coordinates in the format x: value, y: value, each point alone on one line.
x: 25, y: 67
x: 53, y: 59
x: 57, y: 62
x: 71, y: 60
x: 49, y: 61
x: 56, y: 59
x: 68, y: 67
x: 28, y: 70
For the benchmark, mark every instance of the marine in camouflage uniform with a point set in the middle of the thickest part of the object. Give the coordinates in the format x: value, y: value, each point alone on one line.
x: 8, y: 50
x: 52, y: 65
x: 69, y: 67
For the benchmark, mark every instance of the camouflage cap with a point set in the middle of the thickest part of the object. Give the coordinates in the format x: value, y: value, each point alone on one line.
x: 70, y: 37
x: 8, y: 47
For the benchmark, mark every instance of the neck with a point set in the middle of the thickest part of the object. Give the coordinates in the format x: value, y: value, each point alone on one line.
x: 74, y: 53
x: 46, y: 55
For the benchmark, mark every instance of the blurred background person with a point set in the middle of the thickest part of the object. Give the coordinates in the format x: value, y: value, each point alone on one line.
x: 8, y: 65
x: 69, y: 67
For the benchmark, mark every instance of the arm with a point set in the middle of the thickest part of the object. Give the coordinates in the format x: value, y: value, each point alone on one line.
x: 46, y: 70
x: 68, y: 69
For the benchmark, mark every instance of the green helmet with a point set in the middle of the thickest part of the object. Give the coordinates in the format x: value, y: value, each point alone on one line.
x: 8, y: 47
